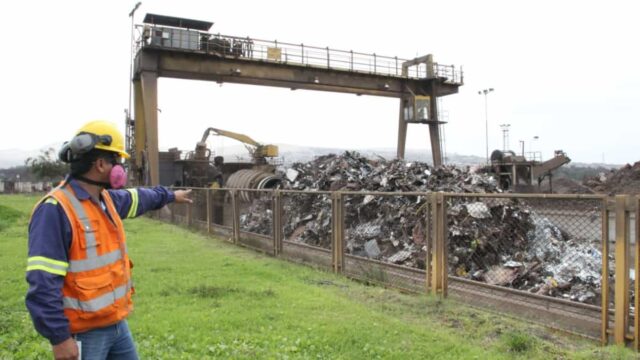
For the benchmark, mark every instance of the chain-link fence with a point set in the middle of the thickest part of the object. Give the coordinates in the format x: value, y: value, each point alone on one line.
x: 543, y: 246
x: 385, y: 239
x: 307, y: 229
x: 255, y: 209
x: 255, y: 219
x: 538, y: 256
x: 307, y: 218
x: 221, y: 212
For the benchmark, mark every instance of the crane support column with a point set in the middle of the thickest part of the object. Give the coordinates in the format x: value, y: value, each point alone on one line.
x: 139, y: 133
x: 402, y: 130
x: 434, y: 130
x: 412, y: 112
x: 149, y: 82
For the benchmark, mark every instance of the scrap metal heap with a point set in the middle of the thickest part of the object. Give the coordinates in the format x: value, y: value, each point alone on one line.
x: 625, y: 180
x: 497, y: 241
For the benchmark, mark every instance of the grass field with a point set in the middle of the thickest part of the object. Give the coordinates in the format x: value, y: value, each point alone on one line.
x: 198, y: 297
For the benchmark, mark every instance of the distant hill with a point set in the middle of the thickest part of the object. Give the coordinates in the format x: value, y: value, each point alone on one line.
x: 296, y: 153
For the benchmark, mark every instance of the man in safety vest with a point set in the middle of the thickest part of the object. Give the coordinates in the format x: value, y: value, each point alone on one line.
x: 78, y: 269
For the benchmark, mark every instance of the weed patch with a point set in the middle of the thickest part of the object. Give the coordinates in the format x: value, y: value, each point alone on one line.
x: 518, y: 342
x: 207, y: 291
x: 8, y: 217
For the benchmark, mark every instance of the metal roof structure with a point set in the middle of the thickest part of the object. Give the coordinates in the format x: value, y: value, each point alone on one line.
x: 164, y: 20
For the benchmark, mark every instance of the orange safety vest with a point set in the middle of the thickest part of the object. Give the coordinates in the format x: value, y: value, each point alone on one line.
x: 97, y: 287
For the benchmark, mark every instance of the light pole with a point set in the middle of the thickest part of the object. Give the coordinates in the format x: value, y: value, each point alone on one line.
x: 486, y: 119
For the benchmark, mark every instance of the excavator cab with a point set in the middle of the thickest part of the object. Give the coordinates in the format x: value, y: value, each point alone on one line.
x: 269, y: 151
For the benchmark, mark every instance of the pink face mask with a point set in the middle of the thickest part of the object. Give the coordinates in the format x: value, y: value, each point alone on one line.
x: 117, y: 177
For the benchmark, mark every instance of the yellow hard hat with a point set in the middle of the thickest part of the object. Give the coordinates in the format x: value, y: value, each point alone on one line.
x: 109, y: 138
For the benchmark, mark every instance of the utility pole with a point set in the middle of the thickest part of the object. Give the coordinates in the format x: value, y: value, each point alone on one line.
x: 128, y: 135
x: 485, y: 92
x: 131, y: 15
x: 505, y: 136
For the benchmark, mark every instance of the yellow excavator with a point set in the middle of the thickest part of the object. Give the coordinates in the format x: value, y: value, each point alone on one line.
x: 258, y: 174
x: 259, y: 152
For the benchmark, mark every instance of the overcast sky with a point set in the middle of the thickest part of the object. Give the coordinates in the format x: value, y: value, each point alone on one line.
x: 565, y: 71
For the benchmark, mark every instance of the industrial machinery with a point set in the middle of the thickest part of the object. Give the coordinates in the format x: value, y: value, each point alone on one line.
x: 197, y: 168
x: 259, y: 152
x: 516, y: 172
x: 187, y: 49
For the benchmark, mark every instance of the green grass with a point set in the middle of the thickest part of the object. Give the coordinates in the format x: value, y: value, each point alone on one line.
x: 198, y: 297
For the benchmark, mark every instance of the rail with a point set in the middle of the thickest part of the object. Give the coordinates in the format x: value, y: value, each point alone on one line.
x: 275, y: 51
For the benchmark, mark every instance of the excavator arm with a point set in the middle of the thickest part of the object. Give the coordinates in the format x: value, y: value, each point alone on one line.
x: 259, y: 152
x: 240, y: 137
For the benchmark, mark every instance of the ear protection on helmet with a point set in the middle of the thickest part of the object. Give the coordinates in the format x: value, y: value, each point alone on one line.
x: 65, y: 153
x: 81, y: 144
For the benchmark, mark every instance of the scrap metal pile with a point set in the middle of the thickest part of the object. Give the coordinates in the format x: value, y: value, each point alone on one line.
x: 508, y: 244
x: 625, y: 180
x: 497, y: 241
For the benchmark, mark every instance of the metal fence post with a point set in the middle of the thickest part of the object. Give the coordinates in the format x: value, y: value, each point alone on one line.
x: 429, y: 240
x: 438, y: 264
x: 435, y: 246
x: 375, y: 63
x: 621, y: 324
x: 636, y: 320
x: 444, y: 249
x: 395, y: 57
x: 328, y: 60
x: 337, y: 234
x: 236, y: 216
x: 604, y: 291
x: 351, y: 59
x: 277, y: 222
x: 208, y: 192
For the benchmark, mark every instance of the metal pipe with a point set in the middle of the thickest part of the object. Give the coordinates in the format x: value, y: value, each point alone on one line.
x: 252, y: 179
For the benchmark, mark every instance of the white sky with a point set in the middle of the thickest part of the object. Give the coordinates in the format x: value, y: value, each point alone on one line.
x: 566, y: 71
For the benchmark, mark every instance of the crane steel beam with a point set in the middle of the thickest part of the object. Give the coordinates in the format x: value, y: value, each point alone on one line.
x: 151, y: 63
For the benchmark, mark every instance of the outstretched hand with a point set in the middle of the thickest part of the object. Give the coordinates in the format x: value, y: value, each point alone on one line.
x: 182, y: 196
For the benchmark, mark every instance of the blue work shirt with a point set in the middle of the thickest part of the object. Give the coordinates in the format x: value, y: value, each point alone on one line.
x: 50, y: 238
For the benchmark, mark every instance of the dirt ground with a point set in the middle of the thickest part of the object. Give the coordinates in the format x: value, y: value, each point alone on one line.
x: 569, y: 186
x: 625, y: 180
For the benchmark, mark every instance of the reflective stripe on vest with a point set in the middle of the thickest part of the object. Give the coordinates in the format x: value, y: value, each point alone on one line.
x: 90, y: 237
x: 99, y: 302
x: 96, y: 262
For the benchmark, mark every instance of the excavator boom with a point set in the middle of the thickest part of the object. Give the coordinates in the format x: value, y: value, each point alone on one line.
x: 259, y: 153
x: 240, y: 137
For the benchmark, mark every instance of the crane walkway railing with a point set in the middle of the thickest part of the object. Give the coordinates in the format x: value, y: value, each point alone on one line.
x: 291, y: 54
